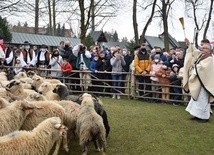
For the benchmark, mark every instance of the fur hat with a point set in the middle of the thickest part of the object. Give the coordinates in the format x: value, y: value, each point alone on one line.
x: 26, y: 43
x: 175, y: 65
x: 157, y: 56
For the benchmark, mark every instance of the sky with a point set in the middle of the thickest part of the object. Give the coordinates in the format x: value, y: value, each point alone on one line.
x: 124, y: 26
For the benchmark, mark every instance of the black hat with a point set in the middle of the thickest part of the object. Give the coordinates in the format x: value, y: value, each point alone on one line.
x: 43, y: 46
x: 26, y: 43
x: 136, y: 47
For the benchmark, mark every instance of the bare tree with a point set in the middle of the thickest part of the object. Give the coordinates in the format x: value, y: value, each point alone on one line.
x: 142, y: 37
x: 200, y: 11
x: 89, y: 10
x: 9, y: 5
x: 36, y: 16
x: 135, y: 23
x: 160, y: 10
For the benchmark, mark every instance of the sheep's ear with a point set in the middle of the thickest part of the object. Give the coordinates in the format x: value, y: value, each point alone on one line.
x: 18, y: 82
x: 55, y: 120
x: 57, y: 126
x: 37, y: 96
x: 26, y: 105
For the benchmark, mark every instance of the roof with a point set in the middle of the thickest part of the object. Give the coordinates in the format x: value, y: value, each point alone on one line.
x: 159, y: 41
x: 37, y: 39
x: 112, y: 44
x: 98, y: 36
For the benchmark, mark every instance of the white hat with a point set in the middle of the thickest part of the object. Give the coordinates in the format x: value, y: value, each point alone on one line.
x: 174, y: 65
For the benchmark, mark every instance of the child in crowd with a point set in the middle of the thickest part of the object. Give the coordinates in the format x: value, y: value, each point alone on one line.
x: 163, y: 75
x: 94, y: 71
x: 177, y: 82
x: 18, y: 66
x: 66, y: 69
x: 156, y: 65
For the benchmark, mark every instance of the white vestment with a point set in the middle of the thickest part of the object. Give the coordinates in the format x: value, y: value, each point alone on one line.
x: 201, y: 107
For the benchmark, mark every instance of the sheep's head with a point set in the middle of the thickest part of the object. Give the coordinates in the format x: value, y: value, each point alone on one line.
x: 36, y: 97
x: 14, y: 85
x: 60, y: 88
x: 31, y: 74
x: 56, y: 121
x: 87, y: 100
x: 20, y: 75
x: 44, y: 88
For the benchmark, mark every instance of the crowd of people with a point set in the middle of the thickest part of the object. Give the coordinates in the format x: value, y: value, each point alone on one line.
x: 103, y: 64
x: 157, y: 68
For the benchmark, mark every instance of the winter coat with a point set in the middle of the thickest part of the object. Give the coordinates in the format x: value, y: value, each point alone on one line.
x: 160, y: 72
x: 155, y: 67
x: 117, y: 64
x: 66, y: 68
x: 56, y: 66
x: 142, y: 62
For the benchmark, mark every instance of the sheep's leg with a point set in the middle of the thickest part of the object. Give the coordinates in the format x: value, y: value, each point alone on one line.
x: 58, y: 143
x: 102, y: 144
x: 96, y: 146
x: 84, y: 148
x: 65, y: 142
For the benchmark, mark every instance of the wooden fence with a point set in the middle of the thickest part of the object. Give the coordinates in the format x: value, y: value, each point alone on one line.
x: 84, y: 81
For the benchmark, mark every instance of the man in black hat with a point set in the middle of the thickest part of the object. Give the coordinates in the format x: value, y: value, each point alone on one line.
x: 28, y: 53
x: 42, y: 59
x: 8, y: 55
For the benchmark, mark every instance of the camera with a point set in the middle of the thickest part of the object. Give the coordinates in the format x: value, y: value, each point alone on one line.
x: 82, y: 49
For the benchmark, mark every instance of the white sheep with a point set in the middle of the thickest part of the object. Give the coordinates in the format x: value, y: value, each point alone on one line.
x: 16, y: 88
x: 22, y: 76
x: 90, y: 125
x: 71, y: 110
x: 13, y: 116
x: 71, y: 113
x: 47, y: 90
x: 37, y: 81
x: 39, y: 141
x: 44, y: 110
x: 3, y: 76
x: 36, y: 97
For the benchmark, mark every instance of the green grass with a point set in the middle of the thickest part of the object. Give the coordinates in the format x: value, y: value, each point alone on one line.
x: 140, y: 128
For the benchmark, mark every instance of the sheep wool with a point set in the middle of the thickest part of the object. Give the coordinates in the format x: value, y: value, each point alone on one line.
x: 44, y: 110
x: 39, y: 141
x: 46, y: 89
x: 90, y: 125
x: 13, y: 116
x: 16, y: 88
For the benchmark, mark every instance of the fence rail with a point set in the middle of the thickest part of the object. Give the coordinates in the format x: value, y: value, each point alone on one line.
x: 93, y: 84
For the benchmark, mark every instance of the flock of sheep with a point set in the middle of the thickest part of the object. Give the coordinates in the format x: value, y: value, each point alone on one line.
x: 36, y: 113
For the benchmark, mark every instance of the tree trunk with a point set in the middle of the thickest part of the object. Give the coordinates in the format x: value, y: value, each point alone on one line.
x: 36, y: 16
x: 142, y: 37
x: 54, y: 18
x: 50, y: 16
x: 135, y: 25
x: 208, y: 20
x: 165, y: 25
x: 82, y: 21
x: 92, y: 16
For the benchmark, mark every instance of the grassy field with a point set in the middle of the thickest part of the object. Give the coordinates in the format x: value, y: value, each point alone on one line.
x: 140, y: 128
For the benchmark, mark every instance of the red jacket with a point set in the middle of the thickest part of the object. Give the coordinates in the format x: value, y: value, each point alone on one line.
x: 66, y: 68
